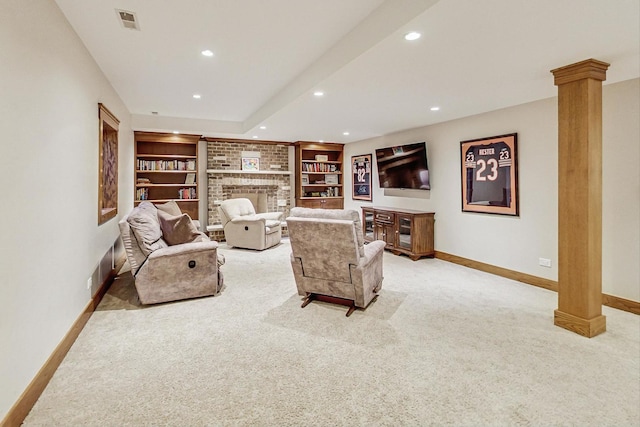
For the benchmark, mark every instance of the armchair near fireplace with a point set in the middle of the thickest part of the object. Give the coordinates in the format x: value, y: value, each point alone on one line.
x: 244, y: 228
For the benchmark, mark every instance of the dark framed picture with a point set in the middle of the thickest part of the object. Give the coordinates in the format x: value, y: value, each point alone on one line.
x: 361, y: 168
x: 107, y: 165
x: 490, y: 175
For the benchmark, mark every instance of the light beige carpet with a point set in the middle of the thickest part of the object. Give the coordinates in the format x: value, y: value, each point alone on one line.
x: 442, y: 345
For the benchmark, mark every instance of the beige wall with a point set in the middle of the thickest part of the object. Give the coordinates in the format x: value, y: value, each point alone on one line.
x: 50, y: 241
x: 621, y: 189
x: 518, y: 243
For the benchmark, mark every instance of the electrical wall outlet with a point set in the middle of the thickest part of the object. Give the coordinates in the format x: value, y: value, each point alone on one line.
x: 89, y: 283
x: 545, y: 262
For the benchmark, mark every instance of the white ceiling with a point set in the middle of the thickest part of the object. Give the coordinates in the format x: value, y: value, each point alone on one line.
x: 271, y: 55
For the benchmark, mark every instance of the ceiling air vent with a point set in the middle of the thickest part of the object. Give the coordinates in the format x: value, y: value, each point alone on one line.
x: 128, y: 19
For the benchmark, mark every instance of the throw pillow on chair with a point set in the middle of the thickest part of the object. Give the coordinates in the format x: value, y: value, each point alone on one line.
x: 179, y: 229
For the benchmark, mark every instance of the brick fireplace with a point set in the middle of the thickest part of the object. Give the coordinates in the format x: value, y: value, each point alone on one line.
x: 226, y: 178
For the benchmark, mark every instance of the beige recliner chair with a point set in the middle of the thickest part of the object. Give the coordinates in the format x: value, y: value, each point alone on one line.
x: 244, y: 228
x: 169, y: 258
x: 329, y: 257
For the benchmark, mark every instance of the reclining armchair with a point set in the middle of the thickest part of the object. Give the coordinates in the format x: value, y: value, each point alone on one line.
x: 329, y: 258
x: 169, y: 258
x: 244, y: 228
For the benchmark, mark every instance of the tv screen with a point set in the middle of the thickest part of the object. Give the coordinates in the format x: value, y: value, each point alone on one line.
x: 403, y: 166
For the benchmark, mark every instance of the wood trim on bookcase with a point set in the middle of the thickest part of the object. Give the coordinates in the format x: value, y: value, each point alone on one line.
x: 246, y: 141
x: 181, y: 138
x: 608, y: 300
x: 31, y: 394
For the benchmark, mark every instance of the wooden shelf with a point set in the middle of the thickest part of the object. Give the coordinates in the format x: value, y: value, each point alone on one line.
x: 166, y: 185
x: 319, y: 198
x: 306, y: 153
x: 320, y: 173
x: 167, y: 200
x: 163, y: 171
x: 166, y: 156
x: 335, y: 162
x: 162, y: 150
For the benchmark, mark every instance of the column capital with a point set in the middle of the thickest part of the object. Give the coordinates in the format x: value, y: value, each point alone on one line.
x: 588, y: 69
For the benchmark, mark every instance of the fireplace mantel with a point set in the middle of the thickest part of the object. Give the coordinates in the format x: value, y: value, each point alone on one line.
x: 236, y: 171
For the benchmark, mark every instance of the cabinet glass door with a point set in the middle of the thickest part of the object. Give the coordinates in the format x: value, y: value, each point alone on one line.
x: 368, y: 225
x: 404, y: 232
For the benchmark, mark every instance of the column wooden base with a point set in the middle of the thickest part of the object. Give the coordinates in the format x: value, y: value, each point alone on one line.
x: 585, y: 327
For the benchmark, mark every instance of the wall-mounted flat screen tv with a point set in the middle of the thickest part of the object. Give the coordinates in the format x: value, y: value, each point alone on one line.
x: 403, y: 166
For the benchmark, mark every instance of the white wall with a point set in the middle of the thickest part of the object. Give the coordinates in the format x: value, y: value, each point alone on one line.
x: 621, y: 189
x: 517, y: 243
x: 50, y: 243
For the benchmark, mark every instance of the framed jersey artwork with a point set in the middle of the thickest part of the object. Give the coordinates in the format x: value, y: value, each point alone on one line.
x: 361, y: 167
x: 490, y: 175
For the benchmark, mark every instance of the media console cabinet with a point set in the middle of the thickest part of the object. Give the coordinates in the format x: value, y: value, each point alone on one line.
x: 405, y: 231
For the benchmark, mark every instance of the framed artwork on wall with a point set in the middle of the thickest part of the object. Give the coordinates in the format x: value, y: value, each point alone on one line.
x: 250, y: 163
x: 490, y: 175
x: 361, y: 169
x: 107, y: 165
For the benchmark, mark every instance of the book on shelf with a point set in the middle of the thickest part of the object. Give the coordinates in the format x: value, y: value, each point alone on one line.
x: 187, y: 193
x: 166, y: 165
x: 142, y: 194
x: 318, y: 167
x: 190, y: 178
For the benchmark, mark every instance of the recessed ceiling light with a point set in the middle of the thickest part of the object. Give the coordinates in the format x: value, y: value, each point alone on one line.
x: 318, y: 93
x: 207, y: 52
x: 263, y: 127
x: 176, y: 132
x: 435, y: 108
x: 413, y: 35
x: 196, y: 96
x: 345, y: 133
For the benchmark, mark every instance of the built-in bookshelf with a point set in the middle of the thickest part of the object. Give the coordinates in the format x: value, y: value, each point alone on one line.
x: 319, y: 180
x: 166, y: 168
